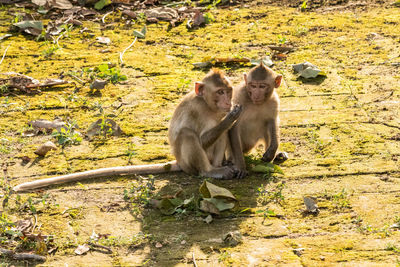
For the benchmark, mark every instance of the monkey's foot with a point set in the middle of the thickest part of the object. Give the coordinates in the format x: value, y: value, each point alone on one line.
x: 225, y: 172
x: 226, y: 162
x: 281, y: 157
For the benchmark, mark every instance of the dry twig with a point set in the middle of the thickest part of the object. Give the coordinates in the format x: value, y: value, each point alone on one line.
x: 5, y: 52
x: 21, y: 256
x: 123, y: 52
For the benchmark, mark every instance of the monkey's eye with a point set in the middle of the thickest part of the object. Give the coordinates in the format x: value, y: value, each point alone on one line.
x: 220, y: 92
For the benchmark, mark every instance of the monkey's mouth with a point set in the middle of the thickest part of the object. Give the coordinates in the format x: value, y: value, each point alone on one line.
x: 257, y: 102
x: 225, y: 108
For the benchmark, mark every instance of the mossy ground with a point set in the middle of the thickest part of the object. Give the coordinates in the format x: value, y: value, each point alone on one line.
x: 341, y: 133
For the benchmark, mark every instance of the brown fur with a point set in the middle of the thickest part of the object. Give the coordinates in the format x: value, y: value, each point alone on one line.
x: 197, y: 133
x: 259, y: 73
x: 259, y: 122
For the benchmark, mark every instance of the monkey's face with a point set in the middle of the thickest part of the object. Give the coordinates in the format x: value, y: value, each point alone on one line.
x: 222, y: 98
x: 258, y: 91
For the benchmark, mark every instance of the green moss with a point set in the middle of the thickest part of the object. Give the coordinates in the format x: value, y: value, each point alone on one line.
x: 331, y: 127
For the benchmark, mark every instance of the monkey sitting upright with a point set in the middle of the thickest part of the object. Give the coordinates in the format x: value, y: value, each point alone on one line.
x: 198, y: 131
x: 259, y: 120
x: 198, y: 136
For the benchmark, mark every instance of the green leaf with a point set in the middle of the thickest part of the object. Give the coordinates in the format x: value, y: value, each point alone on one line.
x: 221, y: 204
x: 144, y: 30
x: 263, y: 169
x: 29, y: 24
x: 138, y: 34
x: 101, y: 4
x: 169, y: 206
x: 103, y: 67
x: 267, y: 168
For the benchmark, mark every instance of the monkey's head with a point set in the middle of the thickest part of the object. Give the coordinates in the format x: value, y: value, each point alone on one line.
x: 261, y: 82
x: 216, y: 89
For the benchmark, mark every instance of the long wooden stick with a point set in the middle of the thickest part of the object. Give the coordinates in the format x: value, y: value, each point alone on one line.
x: 112, y: 171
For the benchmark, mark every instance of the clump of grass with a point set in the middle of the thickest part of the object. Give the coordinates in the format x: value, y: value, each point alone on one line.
x: 140, y: 193
x: 274, y: 195
x: 67, y: 135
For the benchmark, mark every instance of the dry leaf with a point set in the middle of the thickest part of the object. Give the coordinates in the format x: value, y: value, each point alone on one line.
x: 45, y: 124
x: 311, y: 204
x: 103, y: 40
x: 209, y: 207
x: 46, y: 147
x: 161, y: 13
x: 82, y: 249
x: 98, y: 84
x: 104, y: 127
x: 208, y: 219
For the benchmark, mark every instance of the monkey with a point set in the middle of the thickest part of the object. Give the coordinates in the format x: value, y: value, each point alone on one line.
x: 198, y: 135
x: 259, y: 120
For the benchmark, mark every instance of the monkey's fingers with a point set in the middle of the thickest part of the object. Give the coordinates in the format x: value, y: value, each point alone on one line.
x: 235, y: 112
x: 241, y: 174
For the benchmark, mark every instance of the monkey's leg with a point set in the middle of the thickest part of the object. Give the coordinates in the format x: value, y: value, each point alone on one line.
x: 217, y: 153
x: 192, y: 158
x: 271, y: 138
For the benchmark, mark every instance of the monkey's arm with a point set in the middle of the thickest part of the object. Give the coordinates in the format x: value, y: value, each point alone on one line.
x: 209, y: 137
x: 273, y: 133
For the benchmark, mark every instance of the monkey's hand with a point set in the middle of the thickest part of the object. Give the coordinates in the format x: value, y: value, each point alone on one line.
x: 234, y: 113
x: 269, y: 155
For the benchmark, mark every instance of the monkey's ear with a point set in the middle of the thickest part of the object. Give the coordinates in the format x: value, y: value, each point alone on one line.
x: 278, y: 81
x: 245, y: 77
x: 199, y: 88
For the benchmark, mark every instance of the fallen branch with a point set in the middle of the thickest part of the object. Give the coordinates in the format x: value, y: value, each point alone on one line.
x: 281, y: 49
x: 21, y: 256
x: 48, y: 83
x: 76, y: 78
x: 112, y: 171
x: 123, y: 52
x: 104, y: 248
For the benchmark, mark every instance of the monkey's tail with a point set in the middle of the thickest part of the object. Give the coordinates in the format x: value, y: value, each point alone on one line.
x: 171, y: 166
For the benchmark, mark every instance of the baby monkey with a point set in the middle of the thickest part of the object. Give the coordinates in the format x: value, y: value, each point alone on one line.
x: 198, y: 131
x: 259, y: 120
